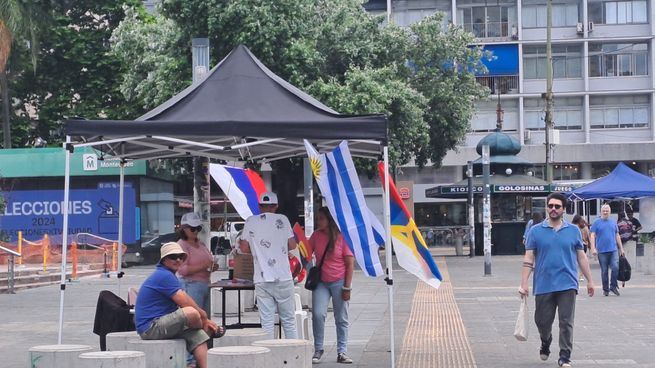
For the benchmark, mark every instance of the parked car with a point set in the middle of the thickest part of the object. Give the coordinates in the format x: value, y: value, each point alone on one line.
x: 150, y: 249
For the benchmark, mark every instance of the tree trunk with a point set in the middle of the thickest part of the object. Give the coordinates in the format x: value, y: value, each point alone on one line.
x: 6, y: 126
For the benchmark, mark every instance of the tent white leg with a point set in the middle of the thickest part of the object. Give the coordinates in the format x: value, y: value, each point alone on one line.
x: 64, y: 240
x: 121, y: 210
x: 388, y: 250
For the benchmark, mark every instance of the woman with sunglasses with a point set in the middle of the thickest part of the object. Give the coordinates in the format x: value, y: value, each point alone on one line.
x: 196, y: 270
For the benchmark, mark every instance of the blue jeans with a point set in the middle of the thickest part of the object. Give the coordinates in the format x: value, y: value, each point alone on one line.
x: 320, y: 299
x: 199, y: 292
x: 609, y: 260
x: 277, y: 296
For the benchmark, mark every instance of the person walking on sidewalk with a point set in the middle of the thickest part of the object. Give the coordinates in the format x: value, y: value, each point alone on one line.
x: 268, y: 236
x: 586, y: 235
x: 552, y: 251
x: 606, y: 244
x: 337, y: 264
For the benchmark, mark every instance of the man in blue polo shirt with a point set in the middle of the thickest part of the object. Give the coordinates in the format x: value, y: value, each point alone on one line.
x: 556, y: 246
x: 606, y: 244
x: 164, y: 311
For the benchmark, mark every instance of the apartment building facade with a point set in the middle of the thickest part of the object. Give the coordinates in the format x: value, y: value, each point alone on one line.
x: 604, y: 85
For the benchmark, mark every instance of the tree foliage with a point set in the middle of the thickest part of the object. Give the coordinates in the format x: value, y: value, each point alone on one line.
x: 154, y: 60
x: 76, y: 75
x: 421, y: 77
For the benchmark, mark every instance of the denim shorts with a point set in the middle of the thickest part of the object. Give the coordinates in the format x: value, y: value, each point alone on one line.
x: 174, y: 326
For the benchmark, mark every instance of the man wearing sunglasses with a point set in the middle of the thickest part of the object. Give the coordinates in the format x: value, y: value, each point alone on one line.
x: 164, y: 311
x: 553, y: 249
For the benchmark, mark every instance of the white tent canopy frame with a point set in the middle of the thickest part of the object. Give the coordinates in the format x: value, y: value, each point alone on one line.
x: 229, y: 148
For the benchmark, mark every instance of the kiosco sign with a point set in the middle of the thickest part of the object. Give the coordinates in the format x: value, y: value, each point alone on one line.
x: 94, y: 211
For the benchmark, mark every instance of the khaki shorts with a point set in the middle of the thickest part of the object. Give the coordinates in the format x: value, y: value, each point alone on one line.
x: 174, y: 326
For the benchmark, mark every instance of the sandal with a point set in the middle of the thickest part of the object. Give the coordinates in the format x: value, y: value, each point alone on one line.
x: 219, y: 333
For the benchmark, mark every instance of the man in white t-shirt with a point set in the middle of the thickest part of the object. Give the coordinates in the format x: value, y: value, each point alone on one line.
x: 269, y: 237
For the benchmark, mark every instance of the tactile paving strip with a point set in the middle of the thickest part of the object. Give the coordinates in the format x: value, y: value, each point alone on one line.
x: 435, y: 335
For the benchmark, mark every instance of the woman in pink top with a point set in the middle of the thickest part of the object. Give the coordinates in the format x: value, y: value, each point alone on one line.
x: 337, y: 264
x: 195, y: 271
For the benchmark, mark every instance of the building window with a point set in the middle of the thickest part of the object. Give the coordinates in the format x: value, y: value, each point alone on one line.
x: 560, y: 171
x: 567, y: 62
x: 485, y: 117
x: 488, y: 21
x: 407, y: 17
x: 618, y: 59
x: 618, y: 12
x: 564, y: 15
x: 619, y: 111
x: 567, y: 114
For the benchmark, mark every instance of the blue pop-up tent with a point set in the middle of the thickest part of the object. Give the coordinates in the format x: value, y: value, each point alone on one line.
x: 621, y: 183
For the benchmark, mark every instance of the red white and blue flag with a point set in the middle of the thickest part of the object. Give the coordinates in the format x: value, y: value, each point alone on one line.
x: 242, y: 187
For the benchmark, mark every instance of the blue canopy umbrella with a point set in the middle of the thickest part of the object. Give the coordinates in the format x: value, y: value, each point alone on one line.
x: 621, y: 183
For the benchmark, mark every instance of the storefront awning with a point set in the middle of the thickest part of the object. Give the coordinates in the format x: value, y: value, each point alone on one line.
x: 516, y: 184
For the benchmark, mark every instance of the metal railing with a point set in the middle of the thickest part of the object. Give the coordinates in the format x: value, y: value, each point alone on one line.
x: 444, y: 236
x: 10, y: 267
x: 505, y: 84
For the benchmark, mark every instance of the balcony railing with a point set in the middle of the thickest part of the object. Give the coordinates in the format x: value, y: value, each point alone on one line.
x: 503, y: 84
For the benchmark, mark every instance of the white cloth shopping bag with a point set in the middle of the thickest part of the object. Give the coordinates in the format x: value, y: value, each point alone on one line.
x: 523, y: 321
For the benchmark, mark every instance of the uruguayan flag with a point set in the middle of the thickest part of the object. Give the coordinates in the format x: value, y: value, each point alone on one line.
x: 336, y: 177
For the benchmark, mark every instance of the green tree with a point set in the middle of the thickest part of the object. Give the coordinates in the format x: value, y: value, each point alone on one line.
x: 421, y: 77
x: 154, y: 57
x: 17, y: 20
x: 80, y: 75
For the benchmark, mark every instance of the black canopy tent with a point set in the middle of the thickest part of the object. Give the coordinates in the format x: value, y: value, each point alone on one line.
x: 239, y: 111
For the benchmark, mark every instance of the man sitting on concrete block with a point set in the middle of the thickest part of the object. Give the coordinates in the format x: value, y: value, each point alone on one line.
x: 164, y: 311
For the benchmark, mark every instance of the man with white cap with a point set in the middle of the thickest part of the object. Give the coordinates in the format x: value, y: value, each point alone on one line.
x: 164, y: 311
x: 269, y: 237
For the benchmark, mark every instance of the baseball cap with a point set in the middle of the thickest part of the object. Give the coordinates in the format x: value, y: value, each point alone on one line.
x: 170, y: 248
x: 191, y: 219
x: 268, y: 198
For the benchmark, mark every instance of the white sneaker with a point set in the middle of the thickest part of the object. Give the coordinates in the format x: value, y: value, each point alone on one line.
x: 317, y: 356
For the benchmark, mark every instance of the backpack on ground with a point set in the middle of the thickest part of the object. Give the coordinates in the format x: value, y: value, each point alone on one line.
x: 625, y: 271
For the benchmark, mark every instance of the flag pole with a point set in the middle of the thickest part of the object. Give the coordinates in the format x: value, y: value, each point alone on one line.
x: 68, y: 147
x: 388, y: 250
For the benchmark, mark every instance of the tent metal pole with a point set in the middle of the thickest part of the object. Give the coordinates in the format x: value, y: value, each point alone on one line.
x: 388, y: 253
x: 68, y: 147
x: 121, y: 210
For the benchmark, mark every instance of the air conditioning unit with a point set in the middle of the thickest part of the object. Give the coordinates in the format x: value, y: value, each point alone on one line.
x: 579, y: 28
x: 527, y: 135
x: 590, y: 28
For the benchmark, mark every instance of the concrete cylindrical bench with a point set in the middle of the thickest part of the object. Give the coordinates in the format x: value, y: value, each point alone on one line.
x: 161, y: 353
x: 238, y: 357
x: 55, y: 356
x: 119, y: 340
x: 241, y: 337
x: 112, y: 359
x: 288, y: 353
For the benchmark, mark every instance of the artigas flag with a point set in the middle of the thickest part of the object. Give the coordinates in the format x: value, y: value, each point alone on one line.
x: 337, y: 179
x: 241, y: 186
x: 411, y: 251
